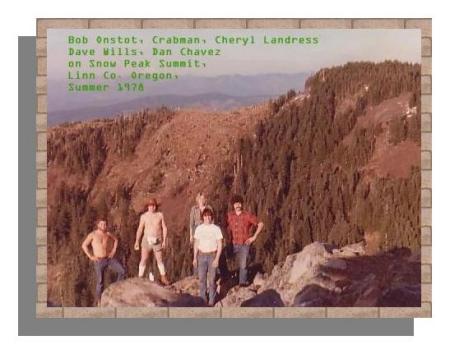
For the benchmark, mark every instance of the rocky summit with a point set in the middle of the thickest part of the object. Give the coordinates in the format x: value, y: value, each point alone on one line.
x: 319, y: 275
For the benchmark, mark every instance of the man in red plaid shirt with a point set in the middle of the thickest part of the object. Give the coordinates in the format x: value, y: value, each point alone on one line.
x: 240, y: 223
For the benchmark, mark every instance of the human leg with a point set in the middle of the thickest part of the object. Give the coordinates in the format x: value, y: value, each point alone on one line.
x: 202, y: 267
x: 117, y: 267
x: 242, y: 254
x: 160, y: 264
x: 211, y: 280
x: 142, y: 264
x: 99, y: 268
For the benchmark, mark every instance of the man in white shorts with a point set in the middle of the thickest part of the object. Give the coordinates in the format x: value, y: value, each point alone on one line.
x: 153, y: 226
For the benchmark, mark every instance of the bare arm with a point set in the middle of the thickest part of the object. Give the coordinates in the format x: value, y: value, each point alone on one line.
x: 116, y: 242
x: 218, y: 253
x: 194, y: 262
x: 257, y: 232
x: 139, y: 233
x: 85, y: 247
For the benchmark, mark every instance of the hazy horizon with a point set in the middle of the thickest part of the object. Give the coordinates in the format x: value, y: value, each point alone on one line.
x: 335, y: 47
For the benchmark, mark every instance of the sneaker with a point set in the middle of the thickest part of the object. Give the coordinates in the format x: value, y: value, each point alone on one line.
x: 151, y: 277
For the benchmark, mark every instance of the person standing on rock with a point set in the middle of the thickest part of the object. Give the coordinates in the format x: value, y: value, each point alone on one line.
x: 153, y: 226
x: 195, y: 217
x: 102, y: 259
x: 239, y: 224
x: 207, y: 249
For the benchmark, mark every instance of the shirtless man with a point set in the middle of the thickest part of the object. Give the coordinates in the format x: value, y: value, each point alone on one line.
x: 98, y: 240
x: 153, y: 225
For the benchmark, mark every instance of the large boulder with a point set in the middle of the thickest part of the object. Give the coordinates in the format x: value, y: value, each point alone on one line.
x: 354, y: 275
x: 144, y: 293
x: 308, y: 261
x: 297, y: 271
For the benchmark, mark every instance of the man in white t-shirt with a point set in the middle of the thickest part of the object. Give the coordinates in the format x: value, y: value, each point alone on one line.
x: 207, y: 249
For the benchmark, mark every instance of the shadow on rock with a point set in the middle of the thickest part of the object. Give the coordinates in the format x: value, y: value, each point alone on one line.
x: 268, y: 298
x: 313, y: 296
x: 186, y: 300
x: 407, y: 296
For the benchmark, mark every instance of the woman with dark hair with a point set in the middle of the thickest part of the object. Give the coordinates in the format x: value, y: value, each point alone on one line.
x: 207, y: 249
x: 195, y: 217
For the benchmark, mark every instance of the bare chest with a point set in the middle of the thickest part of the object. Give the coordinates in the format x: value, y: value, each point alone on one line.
x: 152, y: 221
x: 100, y: 240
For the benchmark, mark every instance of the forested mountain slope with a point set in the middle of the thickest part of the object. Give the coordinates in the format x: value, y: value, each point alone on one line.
x: 328, y: 164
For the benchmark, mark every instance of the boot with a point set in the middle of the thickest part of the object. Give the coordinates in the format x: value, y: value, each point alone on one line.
x: 164, y: 280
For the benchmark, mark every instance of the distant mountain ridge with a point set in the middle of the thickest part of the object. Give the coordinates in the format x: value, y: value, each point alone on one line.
x: 210, y: 101
x: 225, y: 92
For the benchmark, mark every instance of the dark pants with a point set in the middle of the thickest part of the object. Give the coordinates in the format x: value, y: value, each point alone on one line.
x: 100, y: 267
x: 242, y: 252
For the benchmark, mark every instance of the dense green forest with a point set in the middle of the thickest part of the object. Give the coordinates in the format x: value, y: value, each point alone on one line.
x: 295, y: 172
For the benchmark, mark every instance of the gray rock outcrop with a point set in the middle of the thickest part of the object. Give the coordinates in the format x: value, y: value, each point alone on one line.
x: 319, y: 275
x: 144, y: 293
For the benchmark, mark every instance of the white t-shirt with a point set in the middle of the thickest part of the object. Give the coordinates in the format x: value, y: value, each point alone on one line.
x: 207, y: 236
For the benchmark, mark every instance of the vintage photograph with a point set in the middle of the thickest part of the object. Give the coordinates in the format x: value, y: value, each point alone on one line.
x: 234, y: 168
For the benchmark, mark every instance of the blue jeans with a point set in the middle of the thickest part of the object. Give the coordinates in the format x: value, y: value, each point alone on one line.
x: 242, y: 254
x: 100, y: 267
x: 206, y: 269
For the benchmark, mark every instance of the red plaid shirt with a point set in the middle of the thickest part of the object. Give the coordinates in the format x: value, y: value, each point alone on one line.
x: 240, y: 225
